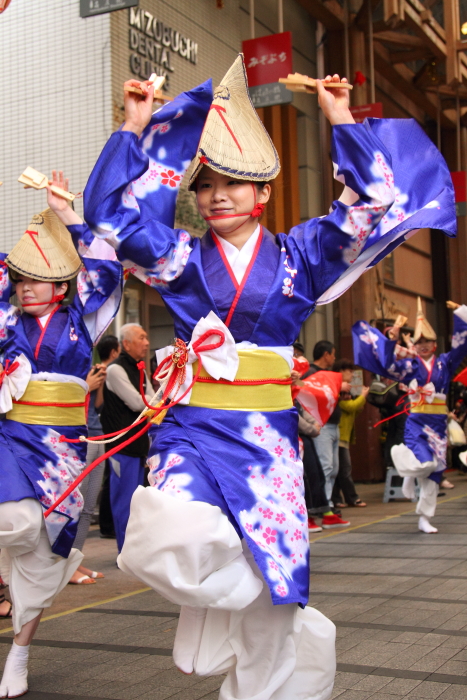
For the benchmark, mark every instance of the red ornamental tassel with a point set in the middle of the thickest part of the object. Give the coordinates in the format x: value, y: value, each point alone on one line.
x: 257, y: 211
x: 359, y: 79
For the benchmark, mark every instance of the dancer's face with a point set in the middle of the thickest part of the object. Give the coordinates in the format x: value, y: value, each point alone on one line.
x: 221, y: 195
x: 31, y: 291
x: 425, y: 348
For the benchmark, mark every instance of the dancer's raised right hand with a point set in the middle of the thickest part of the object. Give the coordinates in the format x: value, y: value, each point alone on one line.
x: 138, y: 108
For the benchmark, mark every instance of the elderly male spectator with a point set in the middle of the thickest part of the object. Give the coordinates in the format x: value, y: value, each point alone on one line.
x: 122, y: 405
x: 108, y: 349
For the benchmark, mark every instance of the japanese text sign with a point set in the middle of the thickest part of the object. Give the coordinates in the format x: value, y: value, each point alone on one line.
x: 268, y: 58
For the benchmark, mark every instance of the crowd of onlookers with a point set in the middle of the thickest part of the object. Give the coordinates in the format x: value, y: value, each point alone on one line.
x: 329, y: 486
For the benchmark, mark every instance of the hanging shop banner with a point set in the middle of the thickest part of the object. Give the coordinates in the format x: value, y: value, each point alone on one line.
x: 459, y: 180
x: 270, y: 94
x: 361, y: 112
x: 89, y: 8
x: 268, y: 58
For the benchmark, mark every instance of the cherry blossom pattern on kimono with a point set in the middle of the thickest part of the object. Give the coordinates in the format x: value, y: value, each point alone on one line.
x: 9, y: 316
x: 277, y: 522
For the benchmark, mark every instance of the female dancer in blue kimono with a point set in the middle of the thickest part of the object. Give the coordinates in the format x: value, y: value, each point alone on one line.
x: 423, y: 454
x: 45, y: 355
x: 223, y: 529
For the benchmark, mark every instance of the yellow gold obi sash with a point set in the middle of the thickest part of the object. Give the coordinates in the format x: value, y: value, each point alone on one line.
x: 262, y: 383
x: 438, y: 406
x: 50, y: 403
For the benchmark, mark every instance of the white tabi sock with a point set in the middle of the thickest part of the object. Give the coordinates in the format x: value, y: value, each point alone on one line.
x: 188, y: 637
x: 15, y: 674
x: 425, y: 526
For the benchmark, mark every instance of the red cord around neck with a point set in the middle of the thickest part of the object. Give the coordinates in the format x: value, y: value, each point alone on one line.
x: 256, y: 212
x: 56, y: 298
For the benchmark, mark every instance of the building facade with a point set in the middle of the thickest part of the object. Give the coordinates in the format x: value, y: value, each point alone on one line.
x: 62, y: 97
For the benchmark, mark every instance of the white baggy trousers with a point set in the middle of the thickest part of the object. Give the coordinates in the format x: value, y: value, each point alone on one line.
x: 410, y: 468
x: 190, y: 553
x: 34, y: 573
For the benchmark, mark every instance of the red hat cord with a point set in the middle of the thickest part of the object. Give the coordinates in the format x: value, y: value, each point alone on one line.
x: 56, y: 298
x: 255, y: 212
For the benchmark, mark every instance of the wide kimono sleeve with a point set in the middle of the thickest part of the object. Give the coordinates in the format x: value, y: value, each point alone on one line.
x: 395, y: 182
x: 6, y: 288
x: 376, y: 353
x: 9, y: 314
x: 99, y: 282
x: 131, y: 195
x: 458, y: 351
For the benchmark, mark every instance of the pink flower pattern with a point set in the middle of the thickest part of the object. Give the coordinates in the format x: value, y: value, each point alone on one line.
x: 163, y: 477
x: 279, y: 497
x: 58, y: 474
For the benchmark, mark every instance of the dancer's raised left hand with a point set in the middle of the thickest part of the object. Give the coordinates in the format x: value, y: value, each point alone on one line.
x: 59, y: 205
x: 334, y: 101
x: 138, y: 108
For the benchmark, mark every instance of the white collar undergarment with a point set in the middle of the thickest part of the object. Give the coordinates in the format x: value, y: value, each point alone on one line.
x: 239, y: 259
x: 43, y: 320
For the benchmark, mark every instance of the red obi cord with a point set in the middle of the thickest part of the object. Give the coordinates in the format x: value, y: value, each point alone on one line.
x: 179, y: 358
x: 423, y: 392
x: 8, y: 369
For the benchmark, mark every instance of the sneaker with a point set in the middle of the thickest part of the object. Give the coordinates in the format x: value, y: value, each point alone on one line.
x: 313, y: 527
x: 331, y: 521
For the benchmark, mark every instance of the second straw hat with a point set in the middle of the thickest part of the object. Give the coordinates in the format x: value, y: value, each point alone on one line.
x: 422, y: 328
x: 234, y: 140
x: 45, y: 251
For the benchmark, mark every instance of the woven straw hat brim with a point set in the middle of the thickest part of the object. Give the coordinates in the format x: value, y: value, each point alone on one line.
x: 46, y: 251
x: 422, y: 328
x: 234, y: 141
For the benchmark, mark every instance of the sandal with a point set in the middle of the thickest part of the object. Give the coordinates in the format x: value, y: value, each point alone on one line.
x: 445, y: 484
x: 82, y: 580
x: 91, y: 574
x: 341, y: 505
x: 8, y: 614
x: 96, y: 574
x: 359, y: 504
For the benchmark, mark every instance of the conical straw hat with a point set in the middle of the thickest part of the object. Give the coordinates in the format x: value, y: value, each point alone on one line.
x: 45, y: 251
x: 234, y: 140
x: 422, y: 327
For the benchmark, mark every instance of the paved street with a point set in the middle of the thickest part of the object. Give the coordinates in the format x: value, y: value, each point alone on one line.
x: 398, y: 598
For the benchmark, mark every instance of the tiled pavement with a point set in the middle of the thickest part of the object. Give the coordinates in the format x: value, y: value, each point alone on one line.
x: 398, y: 598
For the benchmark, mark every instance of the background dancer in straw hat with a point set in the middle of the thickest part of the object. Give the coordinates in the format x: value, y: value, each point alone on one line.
x: 222, y: 530
x: 46, y: 351
x: 423, y: 454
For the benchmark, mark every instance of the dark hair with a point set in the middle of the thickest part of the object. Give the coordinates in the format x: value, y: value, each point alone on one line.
x: 68, y: 286
x: 298, y: 346
x: 343, y: 364
x: 321, y: 347
x: 105, y: 346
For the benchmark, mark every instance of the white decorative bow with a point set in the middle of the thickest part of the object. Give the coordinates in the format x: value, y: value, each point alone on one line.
x: 13, y: 381
x: 220, y: 363
x: 422, y: 394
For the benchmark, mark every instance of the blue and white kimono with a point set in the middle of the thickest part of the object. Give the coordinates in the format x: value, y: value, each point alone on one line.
x: 34, y: 464
x: 426, y: 426
x: 246, y: 461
